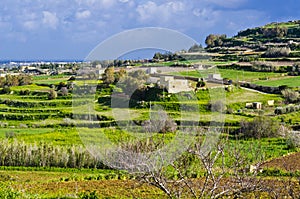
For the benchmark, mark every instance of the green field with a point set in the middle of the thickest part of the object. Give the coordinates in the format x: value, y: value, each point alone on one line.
x: 289, y: 81
x: 39, y: 130
x: 234, y: 75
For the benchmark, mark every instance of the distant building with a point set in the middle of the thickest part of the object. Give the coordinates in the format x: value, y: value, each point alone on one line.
x: 215, y: 77
x: 271, y: 102
x: 34, y: 71
x: 254, y: 105
x: 198, y: 66
x: 249, y: 105
x: 257, y: 105
x: 175, y: 85
x: 151, y: 70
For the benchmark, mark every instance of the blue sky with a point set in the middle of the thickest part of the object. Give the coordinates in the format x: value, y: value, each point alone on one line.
x: 70, y: 29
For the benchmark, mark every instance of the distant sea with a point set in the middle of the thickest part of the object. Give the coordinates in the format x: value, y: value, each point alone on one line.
x: 4, y: 63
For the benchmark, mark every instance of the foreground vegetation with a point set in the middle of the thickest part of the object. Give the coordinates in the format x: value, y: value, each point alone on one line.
x: 44, y: 141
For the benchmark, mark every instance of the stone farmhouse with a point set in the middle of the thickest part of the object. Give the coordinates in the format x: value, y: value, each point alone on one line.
x: 175, y: 85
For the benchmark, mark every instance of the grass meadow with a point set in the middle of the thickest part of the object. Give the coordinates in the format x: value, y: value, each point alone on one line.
x: 52, y: 161
x: 289, y: 81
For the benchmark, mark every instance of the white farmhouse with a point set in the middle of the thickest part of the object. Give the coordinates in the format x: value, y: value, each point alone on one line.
x: 175, y: 85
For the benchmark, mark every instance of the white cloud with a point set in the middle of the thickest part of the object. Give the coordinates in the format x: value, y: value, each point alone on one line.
x: 30, y: 25
x: 204, y: 12
x: 151, y: 10
x: 96, y: 3
x: 227, y: 3
x: 107, y: 3
x: 83, y: 14
x: 50, y: 19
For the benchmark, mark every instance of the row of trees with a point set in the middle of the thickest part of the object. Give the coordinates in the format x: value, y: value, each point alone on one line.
x: 214, y: 40
x: 275, y: 31
x: 111, y: 76
x: 167, y: 56
x: 15, y: 80
x: 287, y: 109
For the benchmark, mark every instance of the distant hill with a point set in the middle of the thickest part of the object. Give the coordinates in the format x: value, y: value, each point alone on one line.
x: 272, y: 40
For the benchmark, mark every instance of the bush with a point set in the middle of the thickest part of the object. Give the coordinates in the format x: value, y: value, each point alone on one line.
x: 64, y: 91
x: 159, y: 122
x: 8, y: 193
x: 293, y: 140
x: 280, y: 111
x: 277, y: 52
x: 216, y: 106
x: 25, y: 92
x: 52, y: 94
x: 260, y: 127
x: 88, y: 195
x: 6, y: 90
x: 290, y: 95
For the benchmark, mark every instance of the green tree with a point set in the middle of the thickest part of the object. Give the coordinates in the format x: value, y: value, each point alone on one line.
x: 25, y: 80
x: 129, y: 84
x: 158, y: 56
x: 275, y: 31
x: 196, y: 48
x: 139, y: 74
x: 2, y: 82
x: 121, y: 74
x: 109, y: 75
x: 213, y: 40
x: 12, y: 80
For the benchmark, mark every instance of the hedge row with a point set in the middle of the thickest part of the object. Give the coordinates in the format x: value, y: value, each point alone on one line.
x: 263, y: 67
x: 16, y: 110
x: 57, y: 115
x: 265, y: 89
x: 17, y: 153
x: 16, y: 103
x: 25, y: 117
x: 287, y: 109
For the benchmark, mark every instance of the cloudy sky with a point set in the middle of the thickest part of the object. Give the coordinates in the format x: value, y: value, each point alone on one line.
x: 70, y: 29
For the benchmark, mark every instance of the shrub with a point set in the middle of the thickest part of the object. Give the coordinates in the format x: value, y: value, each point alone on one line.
x: 10, y: 134
x: 277, y: 52
x: 88, y: 195
x: 290, y: 95
x: 216, y: 106
x: 8, y: 193
x: 25, y: 92
x: 16, y: 153
x: 52, y: 94
x: 159, y: 123
x: 64, y: 91
x: 280, y: 110
x: 292, y: 140
x: 6, y: 90
x: 260, y: 127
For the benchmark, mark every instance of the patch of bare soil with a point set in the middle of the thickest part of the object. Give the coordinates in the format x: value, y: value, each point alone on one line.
x: 289, y: 163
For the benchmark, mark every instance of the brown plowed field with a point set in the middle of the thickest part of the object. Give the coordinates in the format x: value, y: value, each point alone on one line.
x: 289, y: 162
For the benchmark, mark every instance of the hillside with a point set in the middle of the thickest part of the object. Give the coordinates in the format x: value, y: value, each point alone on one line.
x: 273, y: 40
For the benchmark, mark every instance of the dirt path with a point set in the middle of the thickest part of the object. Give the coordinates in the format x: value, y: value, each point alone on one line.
x: 249, y: 89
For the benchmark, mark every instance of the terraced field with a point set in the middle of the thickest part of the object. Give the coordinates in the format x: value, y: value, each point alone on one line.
x: 43, y: 127
x: 234, y: 75
x: 289, y: 81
